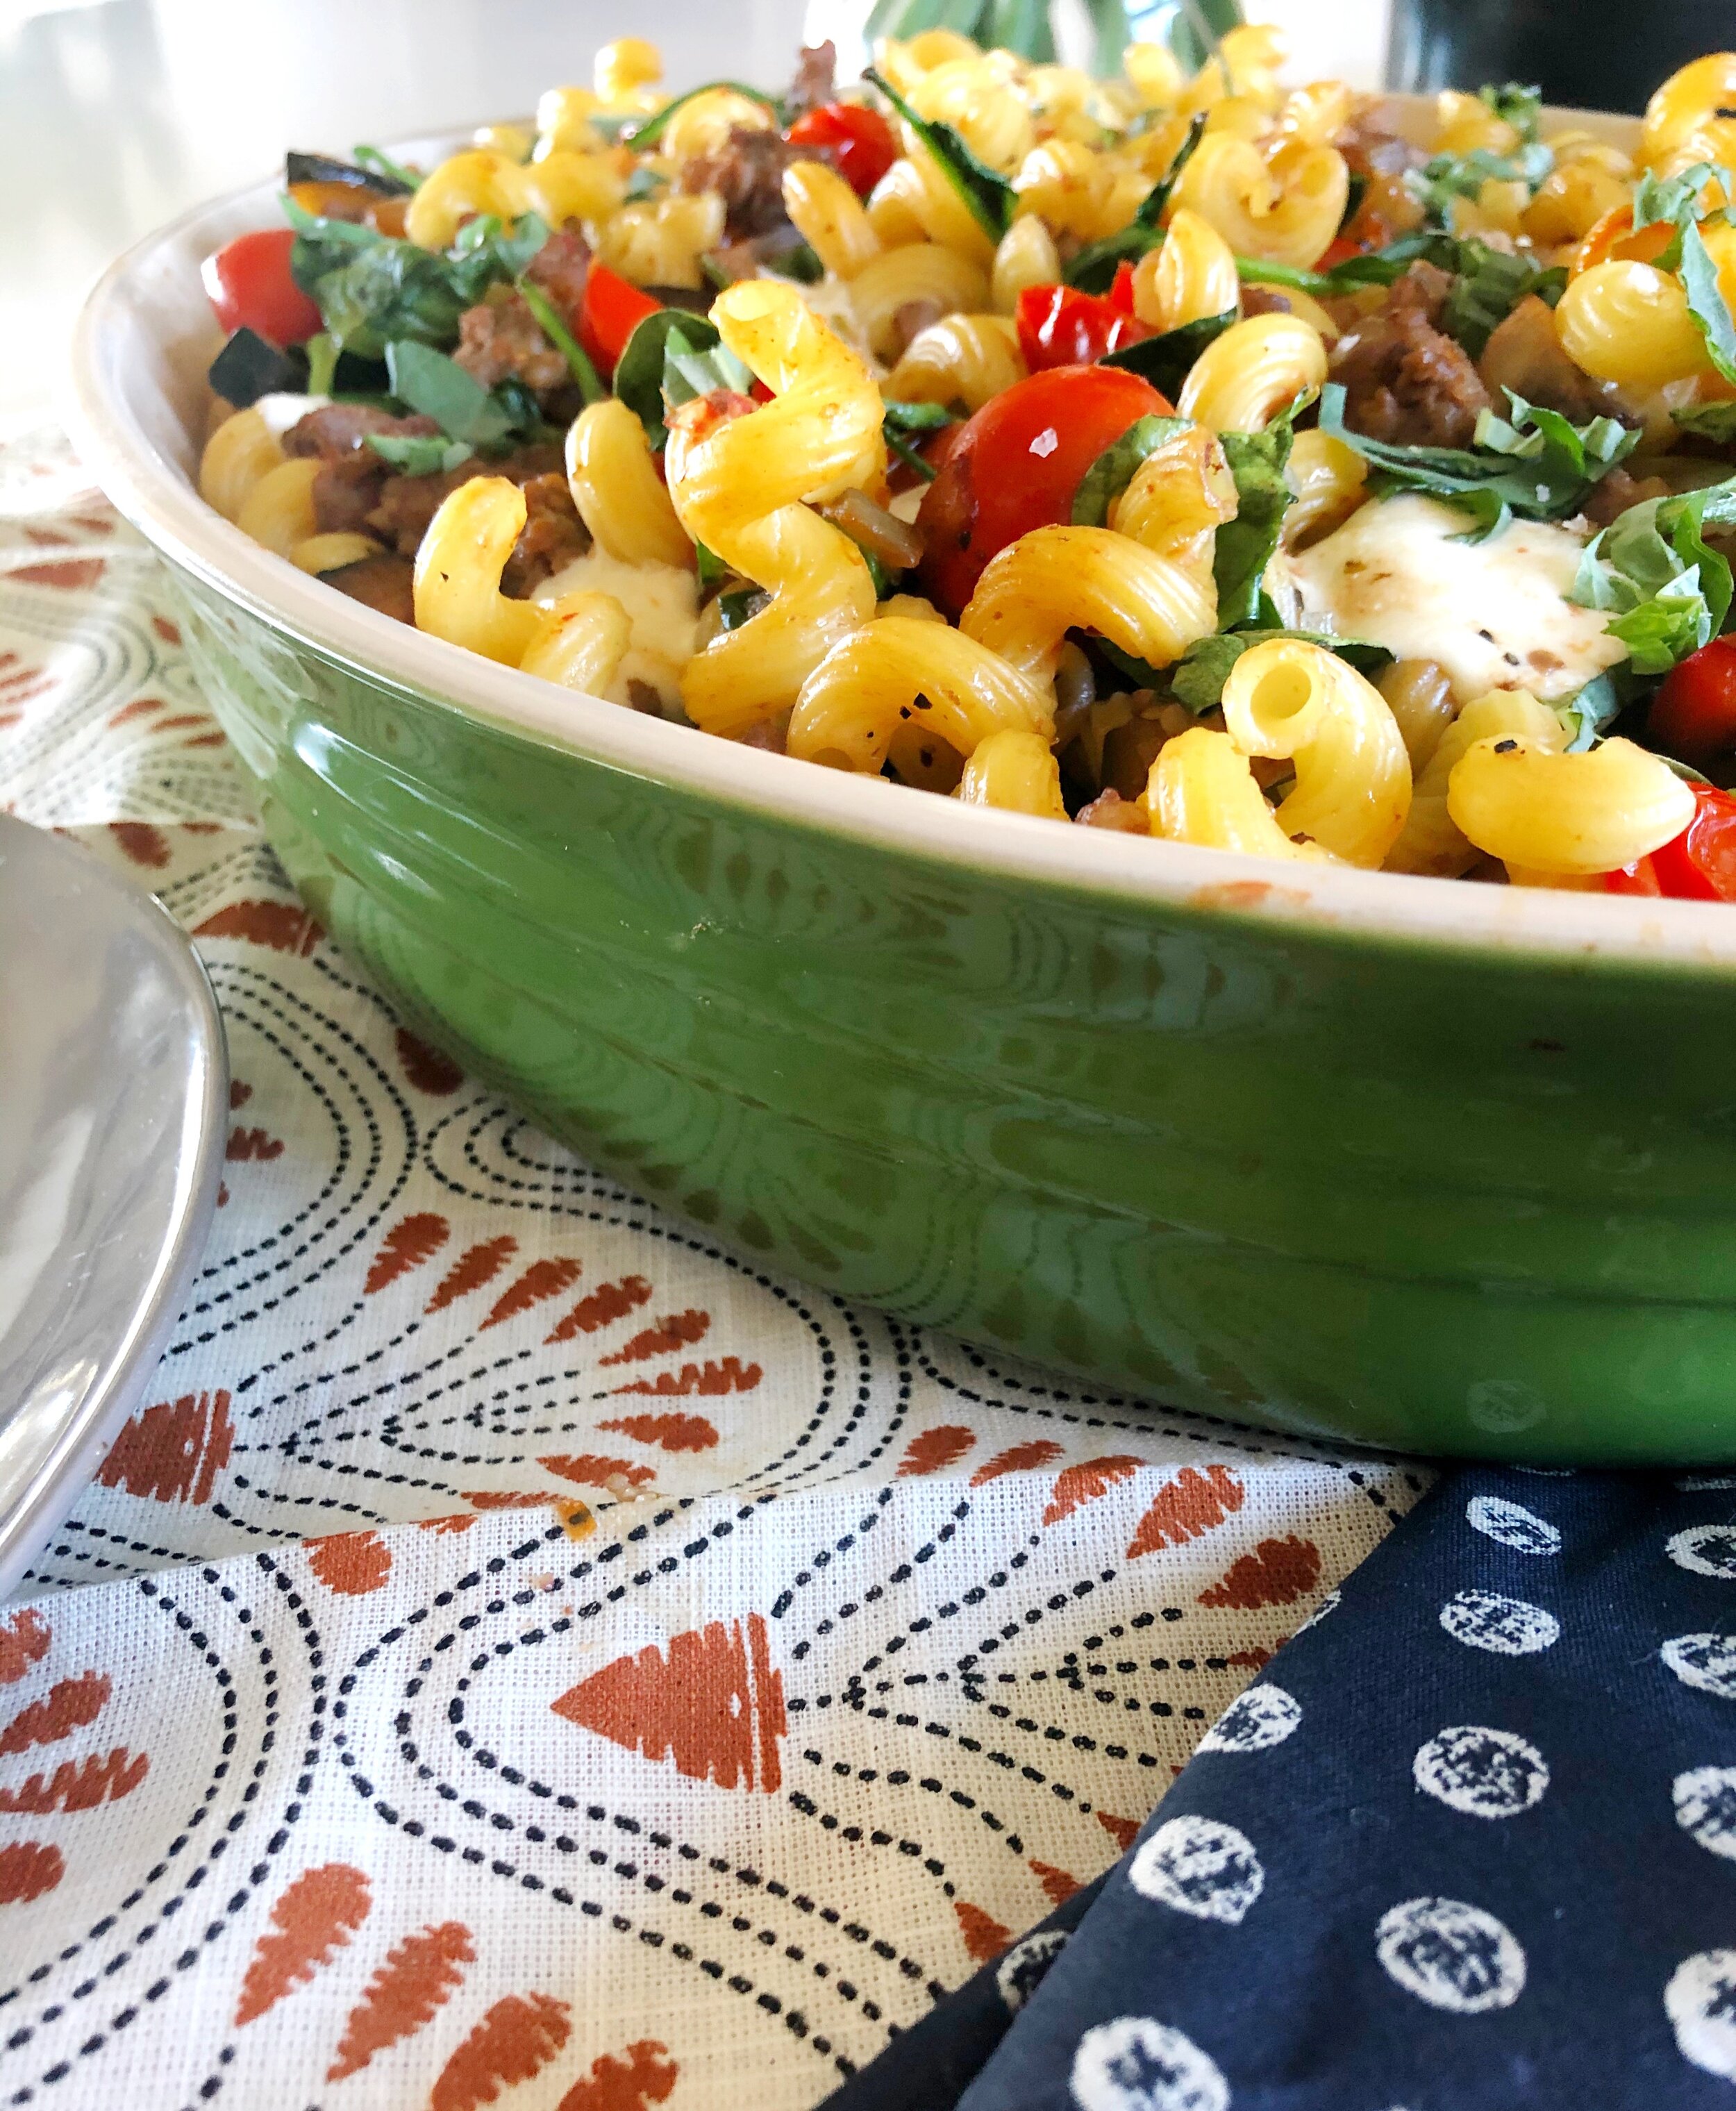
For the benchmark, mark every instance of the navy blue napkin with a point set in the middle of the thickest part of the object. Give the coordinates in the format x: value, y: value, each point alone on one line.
x: 1469, y: 1843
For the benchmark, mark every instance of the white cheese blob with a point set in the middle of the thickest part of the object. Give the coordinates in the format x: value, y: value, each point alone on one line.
x: 1493, y: 614
x: 662, y: 604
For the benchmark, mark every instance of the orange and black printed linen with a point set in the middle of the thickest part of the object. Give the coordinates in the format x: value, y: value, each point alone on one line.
x: 543, y: 1659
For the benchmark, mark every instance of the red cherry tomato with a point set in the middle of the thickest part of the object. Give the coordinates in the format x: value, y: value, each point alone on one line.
x: 1016, y: 465
x: 863, y: 146
x: 1060, y: 326
x: 1693, y: 714
x: 249, y: 285
x: 611, y: 310
x: 1699, y: 866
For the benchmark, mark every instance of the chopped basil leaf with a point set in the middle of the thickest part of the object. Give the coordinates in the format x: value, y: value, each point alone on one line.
x: 250, y: 367
x: 1164, y: 361
x: 439, y: 388
x: 1115, y: 469
x: 1516, y: 105
x: 1669, y: 593
x: 917, y: 417
x: 1709, y: 421
x: 1245, y: 547
x: 644, y: 184
x: 1446, y: 177
x: 1198, y: 676
x: 1489, y: 285
x: 1539, y: 466
x: 988, y: 196
x: 1705, y: 302
x: 639, y: 373
x: 420, y: 454
x: 1599, y: 704
x: 908, y: 455
x: 712, y: 568
x: 646, y: 133
x: 395, y: 172
x: 739, y: 606
x: 1675, y: 201
x: 696, y: 362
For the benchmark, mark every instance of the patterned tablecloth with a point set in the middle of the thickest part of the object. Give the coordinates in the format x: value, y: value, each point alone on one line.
x: 535, y: 1655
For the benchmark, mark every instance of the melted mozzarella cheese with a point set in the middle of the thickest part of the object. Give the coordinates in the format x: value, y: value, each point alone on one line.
x: 1493, y: 614
x: 662, y: 604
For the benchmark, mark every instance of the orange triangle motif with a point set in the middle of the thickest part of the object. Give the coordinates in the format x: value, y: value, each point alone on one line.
x: 714, y: 1703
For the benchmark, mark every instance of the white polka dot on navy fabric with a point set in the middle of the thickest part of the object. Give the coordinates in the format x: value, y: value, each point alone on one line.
x: 1134, y: 2064
x: 1024, y: 1968
x: 1254, y: 1721
x: 1507, y: 1627
x: 1705, y: 1799
x: 1706, y: 1550
x: 1198, y: 1865
x: 1512, y: 1524
x: 1707, y: 1663
x: 1701, y: 2003
x: 1481, y: 1773
x: 1454, y: 1956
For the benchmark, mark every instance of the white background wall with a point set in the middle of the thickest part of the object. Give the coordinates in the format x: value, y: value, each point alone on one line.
x: 114, y: 117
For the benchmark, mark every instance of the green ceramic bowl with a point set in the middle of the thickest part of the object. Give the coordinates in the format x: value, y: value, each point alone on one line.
x: 1436, y: 1166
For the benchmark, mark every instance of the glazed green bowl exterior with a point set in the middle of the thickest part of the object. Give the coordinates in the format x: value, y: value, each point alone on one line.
x: 1440, y: 1167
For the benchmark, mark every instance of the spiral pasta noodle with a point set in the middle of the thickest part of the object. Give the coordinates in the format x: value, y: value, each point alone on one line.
x: 744, y: 486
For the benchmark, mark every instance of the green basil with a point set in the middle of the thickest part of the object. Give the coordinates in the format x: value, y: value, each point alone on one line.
x: 988, y: 196
x: 1539, y: 465
x: 418, y: 454
x: 395, y: 172
x: 1489, y: 285
x: 639, y: 373
x: 1094, y: 270
x: 1198, y: 676
x: 1115, y: 469
x: 640, y: 137
x: 549, y: 322
x: 1165, y: 360
x: 1705, y: 302
x: 1709, y: 421
x: 1516, y: 105
x: 1245, y: 547
x: 439, y: 388
x: 696, y: 362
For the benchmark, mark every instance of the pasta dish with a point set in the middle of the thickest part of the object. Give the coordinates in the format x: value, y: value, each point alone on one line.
x: 1192, y: 457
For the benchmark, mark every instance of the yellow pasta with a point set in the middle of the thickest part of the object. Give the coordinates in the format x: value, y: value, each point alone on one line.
x: 1201, y: 790
x: 744, y: 486
x: 1192, y: 274
x: 619, y: 495
x: 993, y: 120
x: 1630, y: 323
x: 1156, y: 75
x: 1543, y: 811
x: 1053, y: 579
x: 898, y: 673
x: 916, y: 191
x: 661, y: 244
x: 1285, y: 207
x: 703, y: 124
x: 918, y: 273
x: 1465, y: 123
x: 242, y: 449
x: 278, y: 511
x: 1431, y: 841
x: 1026, y: 257
x: 331, y: 552
x: 904, y: 63
x: 962, y: 360
x: 829, y: 217
x: 1015, y: 770
x: 1246, y: 70
x: 1176, y: 501
x: 1317, y: 114
x: 1571, y: 199
x: 620, y: 69
x: 562, y: 185
x: 1329, y: 480
x: 1289, y: 699
x: 564, y: 123
x: 458, y: 597
x: 1686, y: 120
x: 1256, y: 369
x: 1078, y: 192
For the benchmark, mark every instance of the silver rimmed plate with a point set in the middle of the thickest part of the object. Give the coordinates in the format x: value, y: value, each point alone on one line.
x: 113, y: 1091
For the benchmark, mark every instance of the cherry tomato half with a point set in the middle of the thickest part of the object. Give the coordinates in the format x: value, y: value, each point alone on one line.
x: 1060, y: 326
x: 863, y: 146
x: 1693, y: 714
x: 248, y: 283
x: 1016, y: 465
x: 1699, y: 866
x: 612, y: 309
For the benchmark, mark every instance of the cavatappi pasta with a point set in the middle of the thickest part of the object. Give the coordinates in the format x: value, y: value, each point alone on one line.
x: 1211, y: 461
